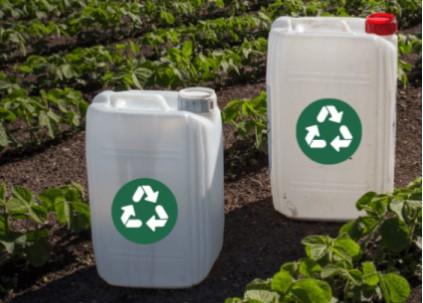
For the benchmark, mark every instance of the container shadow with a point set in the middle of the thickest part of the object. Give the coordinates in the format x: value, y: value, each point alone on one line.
x: 257, y: 241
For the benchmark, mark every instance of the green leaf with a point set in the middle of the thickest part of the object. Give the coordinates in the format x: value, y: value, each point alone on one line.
x: 80, y: 217
x: 16, y: 206
x: 259, y: 284
x: 308, y: 268
x: 395, y: 288
x: 281, y: 281
x: 365, y: 200
x: 3, y: 191
x: 312, y: 291
x: 2, y: 225
x: 347, y: 248
x: 358, y: 228
x: 395, y: 234
x: 44, y: 121
x: 4, y: 141
x: 8, y: 244
x: 332, y: 270
x: 62, y: 210
x: 22, y: 194
x: 48, y: 196
x: 264, y: 296
x: 38, y: 251
x: 316, y: 246
x: 370, y: 274
x: 187, y: 49
x: 396, y: 207
x: 65, y: 71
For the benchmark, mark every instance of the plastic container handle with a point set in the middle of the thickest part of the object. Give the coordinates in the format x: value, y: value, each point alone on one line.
x: 140, y: 101
x: 328, y: 25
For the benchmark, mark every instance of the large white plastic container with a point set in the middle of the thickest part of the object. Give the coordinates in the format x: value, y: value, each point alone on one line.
x: 146, y: 134
x: 330, y: 57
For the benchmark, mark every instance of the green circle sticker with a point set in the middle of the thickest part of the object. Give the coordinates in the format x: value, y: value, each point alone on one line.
x: 144, y: 211
x: 329, y: 131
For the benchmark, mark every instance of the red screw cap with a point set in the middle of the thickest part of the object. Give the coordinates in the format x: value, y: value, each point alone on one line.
x: 383, y: 24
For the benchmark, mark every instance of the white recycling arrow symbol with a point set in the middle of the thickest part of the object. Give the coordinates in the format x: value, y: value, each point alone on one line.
x: 339, y: 143
x: 331, y: 110
x: 128, y: 212
x: 153, y: 223
x: 150, y: 196
x: 343, y: 141
x: 313, y: 131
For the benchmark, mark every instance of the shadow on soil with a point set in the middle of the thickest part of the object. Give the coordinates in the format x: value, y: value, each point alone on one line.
x: 249, y: 251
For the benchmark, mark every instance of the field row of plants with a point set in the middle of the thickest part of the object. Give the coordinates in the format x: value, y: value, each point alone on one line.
x: 178, y: 57
x: 28, y: 221
x: 45, y: 112
x: 371, y: 260
x: 27, y: 121
x: 94, y: 65
x: 104, y: 21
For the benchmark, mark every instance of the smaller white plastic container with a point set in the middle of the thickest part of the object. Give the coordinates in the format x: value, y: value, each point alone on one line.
x: 170, y: 137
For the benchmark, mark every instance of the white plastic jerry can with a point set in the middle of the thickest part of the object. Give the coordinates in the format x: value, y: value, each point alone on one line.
x: 331, y: 85
x: 155, y: 178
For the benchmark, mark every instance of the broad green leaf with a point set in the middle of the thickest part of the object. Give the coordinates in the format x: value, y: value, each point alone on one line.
x: 346, y: 248
x: 22, y: 194
x: 312, y: 291
x: 9, y: 246
x: 65, y: 71
x: 332, y: 270
x: 358, y: 228
x: 187, y: 49
x: 411, y: 212
x: 308, y: 268
x: 365, y: 200
x: 259, y: 284
x: 39, y: 251
x: 48, y: 196
x: 264, y: 296
x: 12, y: 239
x: 395, y: 234
x: 80, y: 217
x: 3, y: 191
x: 219, y: 3
x: 16, y: 206
x: 370, y: 274
x: 45, y: 121
x: 4, y: 141
x: 396, y: 206
x: 22, y: 203
x: 291, y: 267
x: 395, y: 288
x: 62, y: 211
x: 281, y: 281
x: 379, y: 205
x: 3, y: 224
x: 316, y: 246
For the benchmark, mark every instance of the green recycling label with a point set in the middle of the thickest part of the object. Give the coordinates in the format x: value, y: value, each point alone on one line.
x: 329, y: 131
x: 144, y: 211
